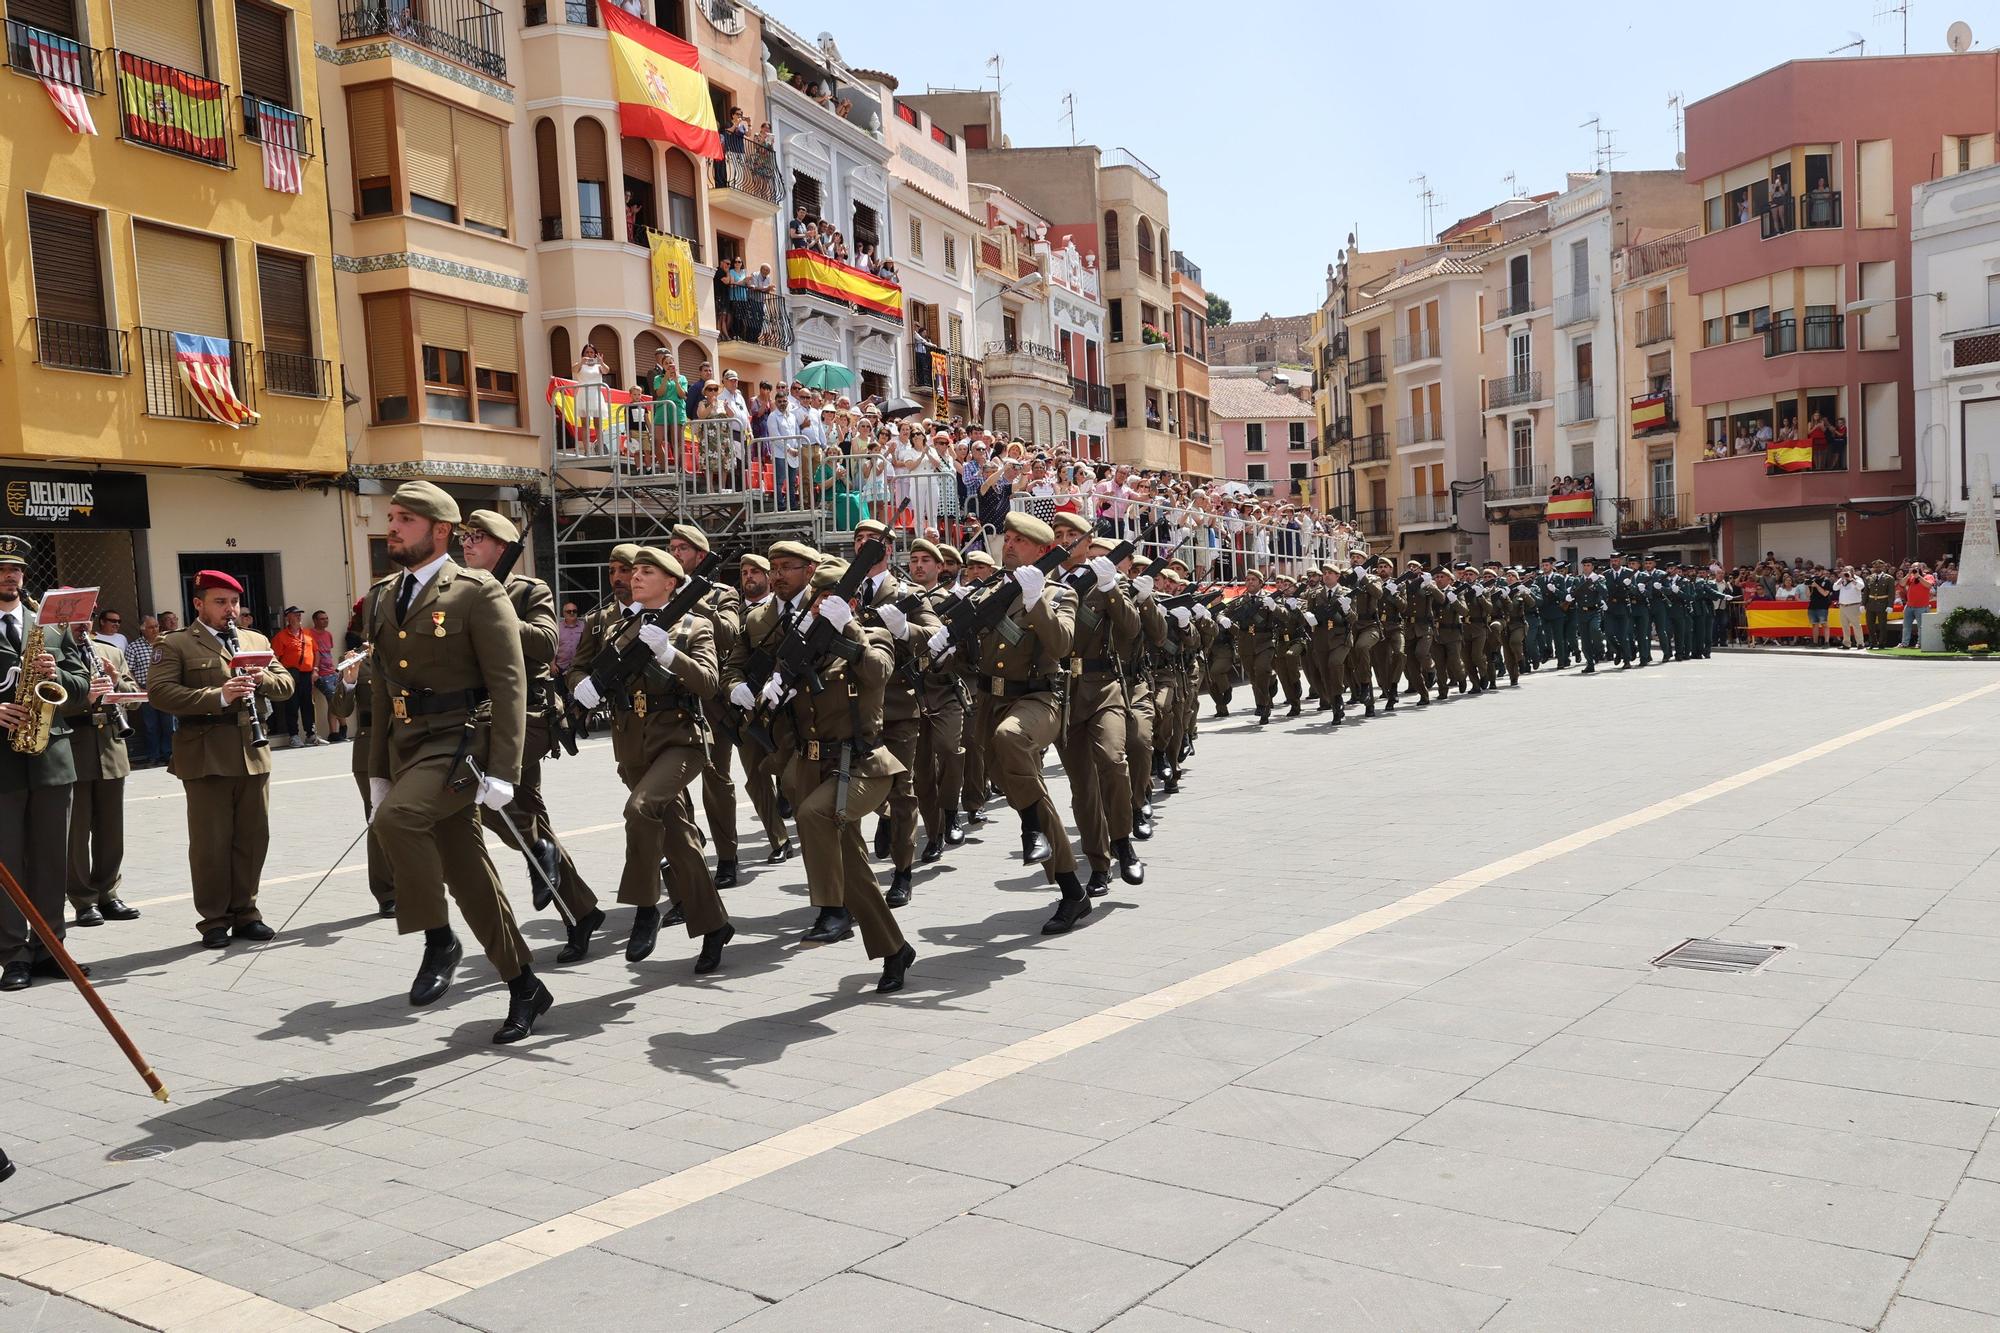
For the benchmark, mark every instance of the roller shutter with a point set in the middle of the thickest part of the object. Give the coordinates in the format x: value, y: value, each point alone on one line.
x: 264, y: 50
x: 182, y: 283
x: 284, y: 292
x: 427, y: 155
x: 169, y: 31
x: 495, y: 339
x: 482, y: 154
x: 69, y: 276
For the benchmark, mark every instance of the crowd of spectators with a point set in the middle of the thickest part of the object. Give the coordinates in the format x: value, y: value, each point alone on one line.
x: 1833, y: 595
x: 807, y: 232
x: 1755, y: 435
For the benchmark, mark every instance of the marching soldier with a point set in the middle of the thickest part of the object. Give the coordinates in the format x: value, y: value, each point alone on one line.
x: 1170, y: 672
x: 450, y: 688
x: 1878, y: 593
x: 97, y: 807
x: 1092, y: 743
x: 1557, y: 611
x: 979, y: 570
x: 1223, y: 659
x: 660, y: 742
x: 1425, y: 601
x: 1288, y: 640
x: 1331, y: 641
x: 1251, y: 622
x: 350, y: 703
x: 220, y: 756
x: 941, y: 743
x: 1450, y: 639
x: 1653, y: 581
x: 1515, y: 605
x: 753, y: 579
x: 35, y: 789
x: 903, y: 610
x: 723, y: 606
x: 1590, y: 601
x: 1478, y: 626
x: 1390, y: 648
x: 483, y: 539
x: 1364, y: 623
x: 1140, y: 665
x: 1618, y: 610
x: 764, y: 629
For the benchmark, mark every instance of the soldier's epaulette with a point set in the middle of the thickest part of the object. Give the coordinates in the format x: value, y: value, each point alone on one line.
x: 385, y: 580
x: 477, y: 575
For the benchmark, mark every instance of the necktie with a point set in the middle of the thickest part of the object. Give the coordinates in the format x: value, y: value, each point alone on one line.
x: 406, y: 595
x: 13, y: 632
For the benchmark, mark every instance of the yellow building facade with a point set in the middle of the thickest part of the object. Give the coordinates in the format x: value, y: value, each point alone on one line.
x: 167, y: 220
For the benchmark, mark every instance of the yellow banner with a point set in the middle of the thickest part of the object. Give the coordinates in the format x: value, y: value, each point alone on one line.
x: 675, y: 305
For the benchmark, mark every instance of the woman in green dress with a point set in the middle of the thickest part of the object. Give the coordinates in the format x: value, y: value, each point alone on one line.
x: 669, y: 389
x: 829, y: 478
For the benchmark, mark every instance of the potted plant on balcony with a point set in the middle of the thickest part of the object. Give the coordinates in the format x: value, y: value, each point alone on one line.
x: 1151, y: 335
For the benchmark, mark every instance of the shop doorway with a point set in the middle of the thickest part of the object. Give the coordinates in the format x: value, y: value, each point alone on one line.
x: 259, y: 573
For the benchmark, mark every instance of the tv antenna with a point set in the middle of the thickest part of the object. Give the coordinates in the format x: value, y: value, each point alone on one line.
x: 1858, y: 45
x: 1674, y: 104
x: 1430, y: 201
x: 1604, y: 153
x: 993, y: 63
x: 1069, y: 114
x: 1895, y: 9
x: 1513, y: 185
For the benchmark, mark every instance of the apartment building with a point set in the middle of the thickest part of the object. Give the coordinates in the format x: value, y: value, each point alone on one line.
x: 1023, y: 378
x: 1190, y: 338
x: 1803, y: 276
x: 1955, y: 252
x: 929, y: 211
x: 1659, y: 441
x: 171, y: 389
x: 1076, y: 308
x: 1264, y: 429
x: 1351, y: 465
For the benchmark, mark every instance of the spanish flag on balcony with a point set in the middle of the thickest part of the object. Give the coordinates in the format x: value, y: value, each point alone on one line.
x: 1788, y: 456
x: 810, y: 271
x: 657, y: 80
x: 1649, y: 412
x: 170, y: 108
x: 1571, y: 507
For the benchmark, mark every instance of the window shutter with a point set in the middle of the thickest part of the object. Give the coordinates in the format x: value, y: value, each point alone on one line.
x: 69, y: 279
x: 548, y: 181
x: 496, y: 339
x: 169, y: 31
x: 264, y: 49
x: 368, y: 131
x: 591, y: 164
x: 482, y: 148
x: 181, y: 283
x: 638, y: 158
x: 285, y: 294
x: 388, y: 357
x: 427, y: 161
x: 916, y: 238
x: 56, y: 16
x: 440, y: 324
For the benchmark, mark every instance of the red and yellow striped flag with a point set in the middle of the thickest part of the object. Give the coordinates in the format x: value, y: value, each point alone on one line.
x: 656, y: 78
x: 810, y: 271
x: 1575, y: 504
x: 1788, y: 456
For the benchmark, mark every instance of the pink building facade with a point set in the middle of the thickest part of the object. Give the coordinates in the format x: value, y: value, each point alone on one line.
x: 1266, y: 432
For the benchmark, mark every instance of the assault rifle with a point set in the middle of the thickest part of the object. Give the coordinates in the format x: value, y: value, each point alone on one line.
x: 798, y: 655
x: 627, y: 656
x: 969, y: 617
x: 1082, y: 579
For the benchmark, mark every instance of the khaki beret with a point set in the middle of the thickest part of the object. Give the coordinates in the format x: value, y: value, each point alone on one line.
x: 1178, y: 565
x: 421, y: 497
x: 1069, y: 518
x: 1104, y: 544
x: 793, y: 551
x: 925, y: 545
x: 1140, y: 564
x: 493, y: 525
x: 622, y: 553
x: 872, y: 526
x: 1256, y: 574
x: 692, y: 535
x: 1027, y: 525
x: 828, y: 574
x: 658, y: 559
x: 981, y: 558
x: 951, y: 555
x: 756, y: 561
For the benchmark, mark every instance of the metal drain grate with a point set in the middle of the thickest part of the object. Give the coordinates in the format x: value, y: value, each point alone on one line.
x: 1718, y: 956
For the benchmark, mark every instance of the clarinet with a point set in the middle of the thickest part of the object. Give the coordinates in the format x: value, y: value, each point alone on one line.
x: 258, y: 740
x: 120, y: 724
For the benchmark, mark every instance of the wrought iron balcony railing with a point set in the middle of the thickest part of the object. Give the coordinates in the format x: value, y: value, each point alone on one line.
x: 468, y: 31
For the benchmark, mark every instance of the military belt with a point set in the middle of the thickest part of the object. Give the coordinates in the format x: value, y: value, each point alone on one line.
x: 1002, y: 688
x: 407, y: 706
x: 1096, y: 666
x: 826, y: 752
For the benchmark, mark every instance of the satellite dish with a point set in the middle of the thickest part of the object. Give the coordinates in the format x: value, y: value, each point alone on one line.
x: 1959, y: 36
x: 1680, y: 161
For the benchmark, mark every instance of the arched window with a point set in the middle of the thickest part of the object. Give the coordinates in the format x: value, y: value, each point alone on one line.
x: 1003, y: 424
x: 683, y: 219
x: 642, y: 207
x: 643, y: 348
x: 1145, y: 247
x: 1110, y: 238
x: 562, y: 362
x: 690, y: 357
x: 1062, y: 424
x: 1025, y: 418
x: 593, y: 177
x: 606, y: 340
x: 1049, y: 428
x: 548, y: 179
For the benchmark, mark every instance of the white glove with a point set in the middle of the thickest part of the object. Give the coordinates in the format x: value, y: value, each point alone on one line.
x: 939, y: 641
x: 378, y: 792
x: 1312, y: 621
x: 1347, y: 606
x: 1292, y: 602
x: 494, y: 793
x: 1032, y: 582
x: 1222, y: 621
x: 960, y: 590
x: 741, y: 696
x: 586, y: 694
x: 1202, y: 612
x: 894, y: 620
x: 1183, y: 617
x: 660, y: 642
x: 1143, y: 586
x: 1429, y: 582
x: 836, y: 612
x: 774, y: 690
x: 1107, y: 573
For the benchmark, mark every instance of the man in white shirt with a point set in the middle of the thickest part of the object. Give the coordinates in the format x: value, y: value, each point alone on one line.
x: 1847, y: 588
x: 732, y: 400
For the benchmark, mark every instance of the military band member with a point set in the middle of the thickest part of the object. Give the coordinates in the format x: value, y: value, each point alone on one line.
x: 1092, y: 743
x: 35, y: 789
x: 97, y: 807
x: 483, y: 539
x: 753, y: 580
x: 883, y: 602
x: 450, y: 686
x: 941, y: 744
x: 660, y: 742
x: 226, y: 774
x: 1389, y: 650
x: 350, y: 702
x: 723, y: 606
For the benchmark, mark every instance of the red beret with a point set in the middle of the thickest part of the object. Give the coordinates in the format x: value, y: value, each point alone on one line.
x: 215, y: 578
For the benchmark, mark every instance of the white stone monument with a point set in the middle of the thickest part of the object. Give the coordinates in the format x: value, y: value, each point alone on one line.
x: 1978, y: 559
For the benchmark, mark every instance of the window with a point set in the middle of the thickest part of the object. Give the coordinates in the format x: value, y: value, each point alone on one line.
x: 1880, y: 448
x: 593, y: 176
x: 864, y: 234
x: 71, y: 327
x: 370, y: 136
x: 1295, y: 435
x: 955, y: 334
x: 916, y: 238
x: 950, y: 253
x: 55, y: 16
x: 435, y: 138
x: 1118, y: 319
x: 1253, y: 437
x: 1878, y: 326
x: 1255, y: 471
x: 170, y: 32
x: 389, y: 358
x: 1518, y: 358
x: 182, y: 282
x: 264, y: 49
x: 548, y: 179
x: 469, y: 357
x: 1298, y: 472
x: 1521, y: 449
x: 1110, y: 240
x: 683, y: 214
x: 1118, y: 415
x: 1875, y: 165
x: 1145, y: 247
x: 805, y: 194
x: 1003, y: 420
x: 284, y: 298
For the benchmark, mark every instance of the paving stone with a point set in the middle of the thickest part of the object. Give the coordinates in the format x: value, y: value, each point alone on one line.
x: 1182, y: 1226
x: 1958, y: 1271
x: 614, y: 1292
x: 1260, y: 1116
x: 1568, y: 1302
x: 1543, y: 1136
x: 1067, y: 1107
x: 972, y: 1145
x: 1262, y: 1288
x: 1595, y: 1096
x: 876, y: 1193
x: 1825, y: 1154
x: 855, y: 1300
x: 1881, y: 1114
x: 1642, y: 1061
x: 767, y: 1251
x: 1913, y: 1316
x: 1416, y: 1240
x: 1218, y: 1164
x: 1362, y: 1082
x: 1789, y: 1205
x: 1555, y: 1197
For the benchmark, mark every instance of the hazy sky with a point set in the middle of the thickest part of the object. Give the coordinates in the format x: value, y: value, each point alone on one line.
x: 1278, y: 128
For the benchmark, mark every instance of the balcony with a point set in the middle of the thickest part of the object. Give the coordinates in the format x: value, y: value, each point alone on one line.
x: 1575, y: 308
x: 1419, y: 346
x: 295, y: 376
x: 467, y: 31
x: 1343, y: 428
x: 1576, y: 405
x: 1659, y: 256
x: 759, y: 322
x: 1366, y: 370
x: 1514, y: 390
x: 924, y: 368
x: 293, y: 130
x: 1652, y: 324
x: 166, y: 395
x: 1813, y: 211
x: 1823, y: 333
x: 749, y: 177
x: 1974, y: 347
x: 1374, y: 523
x: 1420, y: 429
x: 1368, y: 449
x: 1090, y: 397
x: 1515, y: 301
x: 1020, y: 347
x: 48, y: 55
x: 1583, y: 525
x: 1653, y: 413
x: 1744, y: 482
x: 1656, y: 513
x: 809, y: 273
x: 1415, y: 511
x: 1338, y: 348
x: 1186, y: 269
x: 1517, y: 484
x: 1027, y: 363
x: 62, y: 345
x: 174, y: 111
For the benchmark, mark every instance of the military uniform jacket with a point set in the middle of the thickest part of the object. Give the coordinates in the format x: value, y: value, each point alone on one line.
x: 1152, y: 641
x: 1367, y: 598
x: 1473, y: 614
x: 95, y: 745
x: 852, y: 698
x: 661, y: 708
x: 1107, y: 629
x: 535, y: 606
x: 724, y: 608
x: 459, y: 639
x: 903, y: 701
x: 353, y: 704
x: 1253, y: 623
x: 1451, y: 615
x: 1619, y: 589
x: 1426, y: 603
x: 1655, y: 585
x: 1395, y: 606
x: 1519, y: 606
x: 55, y: 766
x: 1879, y: 587
x: 763, y: 630
x: 186, y: 678
x: 1326, y: 605
x: 1590, y: 593
x: 1027, y: 648
x: 1555, y: 595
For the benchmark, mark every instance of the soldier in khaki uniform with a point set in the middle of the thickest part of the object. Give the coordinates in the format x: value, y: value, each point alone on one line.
x: 1171, y: 665
x: 1020, y: 666
x: 450, y: 687
x: 723, y: 606
x: 1223, y: 655
x: 941, y: 744
x: 1389, y: 650
x: 764, y: 628
x: 1449, y: 642
x: 1092, y: 741
x: 979, y: 571
x: 883, y: 601
x: 1332, y: 640
x: 1516, y: 605
x: 841, y: 771
x: 759, y: 775
x: 1878, y: 593
x: 1424, y: 600
x: 1364, y: 591
x: 97, y: 808
x: 660, y: 740
x: 483, y: 539
x: 217, y: 756
x: 1141, y: 664
x: 1288, y: 640
x: 350, y: 702
x: 1251, y: 620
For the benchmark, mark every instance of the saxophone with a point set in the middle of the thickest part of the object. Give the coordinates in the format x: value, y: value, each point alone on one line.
x: 41, y: 697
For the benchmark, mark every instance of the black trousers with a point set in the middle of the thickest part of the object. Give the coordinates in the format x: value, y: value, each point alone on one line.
x: 34, y: 843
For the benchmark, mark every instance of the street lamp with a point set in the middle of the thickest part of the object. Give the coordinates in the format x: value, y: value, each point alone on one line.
x: 1011, y: 288
x: 1877, y: 302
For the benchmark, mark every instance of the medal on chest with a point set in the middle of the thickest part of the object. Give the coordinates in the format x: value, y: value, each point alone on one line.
x: 437, y: 623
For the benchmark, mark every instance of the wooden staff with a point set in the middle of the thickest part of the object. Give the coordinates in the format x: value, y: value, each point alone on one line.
x: 49, y: 941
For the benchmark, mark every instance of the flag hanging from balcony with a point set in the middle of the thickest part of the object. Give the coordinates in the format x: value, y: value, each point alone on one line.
x: 675, y: 305
x: 1571, y: 507
x: 1649, y: 412
x: 204, y: 367
x: 58, y: 63
x: 810, y: 271
x: 657, y: 80
x: 941, y: 375
x: 1788, y: 456
x: 280, y: 132
x: 171, y: 109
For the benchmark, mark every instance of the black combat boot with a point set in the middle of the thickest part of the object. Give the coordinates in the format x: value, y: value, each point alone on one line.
x: 1130, y: 868
x: 1035, y: 847
x: 1099, y: 883
x: 833, y: 926
x: 527, y: 1000
x: 441, y: 958
x: 544, y: 871
x: 883, y: 829
x: 576, y: 947
x: 893, y: 968
x: 1074, y: 907
x: 899, y: 888
x: 645, y: 934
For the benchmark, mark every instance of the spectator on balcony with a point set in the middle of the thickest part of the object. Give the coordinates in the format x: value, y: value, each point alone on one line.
x: 736, y: 283
x: 886, y: 271
x: 1764, y: 435
x: 799, y: 231
x: 1847, y: 595
x: 632, y: 212
x: 1836, y: 446
x: 734, y: 136
x: 756, y: 308
x: 668, y: 389
x: 863, y: 260
x: 1917, y: 589
x: 593, y: 405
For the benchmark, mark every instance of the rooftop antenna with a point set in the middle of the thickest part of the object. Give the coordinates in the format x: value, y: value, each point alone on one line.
x: 1959, y: 37
x: 1513, y: 185
x: 1900, y: 8
x: 1429, y: 198
x: 1674, y: 104
x: 1603, y: 153
x: 1069, y: 114
x: 1859, y: 45
x: 993, y: 63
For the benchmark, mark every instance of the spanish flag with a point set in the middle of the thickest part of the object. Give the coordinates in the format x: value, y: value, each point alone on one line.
x: 1788, y: 456
x: 810, y: 271
x: 1649, y: 412
x: 656, y: 78
x: 1575, y: 504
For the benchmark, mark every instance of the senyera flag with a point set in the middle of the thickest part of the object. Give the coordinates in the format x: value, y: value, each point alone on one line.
x: 204, y: 368
x: 656, y: 78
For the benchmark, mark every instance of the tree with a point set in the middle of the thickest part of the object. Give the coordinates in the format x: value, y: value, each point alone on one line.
x: 1219, y: 312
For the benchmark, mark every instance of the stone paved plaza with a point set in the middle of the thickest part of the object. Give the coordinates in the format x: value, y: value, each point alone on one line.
x: 1378, y: 1045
